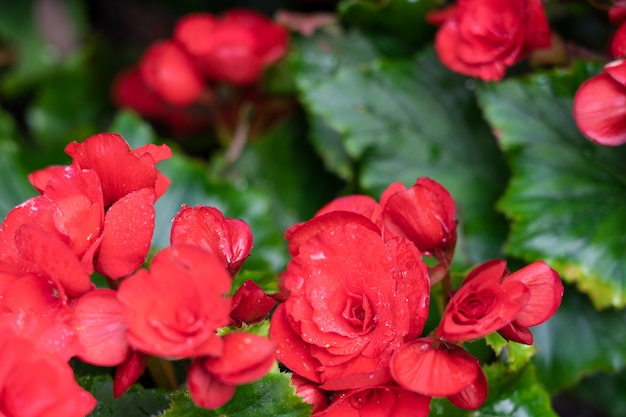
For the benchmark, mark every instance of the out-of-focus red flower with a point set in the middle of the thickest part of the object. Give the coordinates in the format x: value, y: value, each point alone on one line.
x: 34, y: 383
x: 129, y: 90
x: 482, y: 38
x: 383, y: 400
x: 190, y: 285
x: 246, y: 358
x: 193, y: 32
x: 129, y: 371
x: 250, y: 304
x: 424, y: 213
x: 434, y: 368
x: 618, y: 42
x: 310, y: 392
x: 353, y: 299
x: 600, y: 106
x: 100, y: 327
x: 166, y: 69
x: 491, y: 299
x: 121, y: 170
x: 617, y: 12
x: 230, y: 240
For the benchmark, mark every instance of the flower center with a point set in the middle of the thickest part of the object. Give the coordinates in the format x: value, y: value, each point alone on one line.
x: 358, y: 312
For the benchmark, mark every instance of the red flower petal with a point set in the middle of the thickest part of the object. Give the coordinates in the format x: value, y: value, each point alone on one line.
x: 473, y: 396
x: 546, y: 292
x: 205, y: 390
x: 361, y: 204
x: 127, y: 234
x: 429, y: 367
x: 246, y: 358
x: 129, y: 371
x: 600, y: 110
x: 193, y: 31
x: 618, y: 42
x: 101, y: 328
x: 516, y: 333
x: 250, y: 303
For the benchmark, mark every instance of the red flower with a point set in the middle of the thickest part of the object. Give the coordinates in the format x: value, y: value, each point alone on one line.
x: 129, y: 371
x: 424, y: 213
x: 353, y: 299
x: 250, y: 304
x: 228, y: 239
x: 491, y: 299
x: 189, y: 285
x: 481, y: 38
x: 166, y: 69
x: 436, y: 369
x: 246, y: 358
x: 600, y: 106
x: 310, y: 392
x: 34, y: 383
x: 129, y: 90
x: 382, y: 400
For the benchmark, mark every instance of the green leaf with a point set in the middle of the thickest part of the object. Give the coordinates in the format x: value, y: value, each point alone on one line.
x: 566, y: 196
x: 515, y: 355
x: 578, y: 341
x: 136, y: 402
x: 272, y: 396
x: 511, y: 394
x: 402, y: 120
x: 401, y: 23
x: 602, y: 391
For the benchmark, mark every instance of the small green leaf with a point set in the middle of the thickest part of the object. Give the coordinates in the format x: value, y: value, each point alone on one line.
x: 136, y: 402
x: 511, y: 394
x: 566, y: 196
x: 578, y: 341
x: 515, y: 355
x: 272, y: 396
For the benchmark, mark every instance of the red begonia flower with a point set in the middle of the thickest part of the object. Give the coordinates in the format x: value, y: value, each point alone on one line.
x: 424, y: 214
x: 129, y: 371
x: 600, y: 106
x: 382, y: 400
x: 34, y: 383
x: 231, y: 55
x: 190, y: 285
x: 361, y: 204
x: 617, y: 12
x: 434, y: 368
x: 230, y: 240
x: 483, y: 304
x: 246, y: 358
x: 353, y: 299
x: 166, y: 69
x: 100, y: 327
x: 271, y: 39
x: 127, y: 234
x: 301, y: 233
x: 206, y: 390
x: 309, y: 392
x: 250, y: 304
x: 130, y: 91
x: 120, y: 169
x: 481, y: 38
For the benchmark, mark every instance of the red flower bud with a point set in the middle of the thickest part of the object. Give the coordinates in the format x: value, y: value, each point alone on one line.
x: 129, y: 371
x: 168, y: 71
x: 250, y: 304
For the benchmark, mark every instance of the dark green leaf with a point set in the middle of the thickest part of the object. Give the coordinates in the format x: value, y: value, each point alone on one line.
x: 272, y: 396
x: 404, y: 120
x: 577, y: 341
x: 136, y: 402
x: 511, y: 394
x: 604, y: 392
x: 566, y: 197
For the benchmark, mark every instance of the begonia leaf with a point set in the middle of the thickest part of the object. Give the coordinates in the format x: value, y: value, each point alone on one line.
x: 272, y: 396
x: 514, y: 354
x: 511, y: 394
x: 402, y: 120
x: 565, y: 198
x: 577, y: 341
x: 136, y: 402
x: 602, y: 391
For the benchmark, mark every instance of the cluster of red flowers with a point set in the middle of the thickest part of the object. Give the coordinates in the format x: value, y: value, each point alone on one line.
x: 482, y: 38
x: 97, y: 215
x: 356, y: 300
x: 174, y: 79
x: 600, y: 102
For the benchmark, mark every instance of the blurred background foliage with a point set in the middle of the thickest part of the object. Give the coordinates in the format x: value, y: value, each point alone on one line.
x: 359, y: 104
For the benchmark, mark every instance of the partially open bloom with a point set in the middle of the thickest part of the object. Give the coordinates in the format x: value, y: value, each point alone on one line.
x: 482, y: 38
x: 250, y: 304
x: 600, y: 106
x: 190, y: 285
